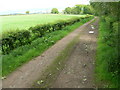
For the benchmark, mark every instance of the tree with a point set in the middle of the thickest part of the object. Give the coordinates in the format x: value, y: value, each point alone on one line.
x: 81, y: 9
x: 87, y: 9
x: 27, y: 12
x: 54, y: 11
x: 106, y: 8
x: 74, y: 10
x: 68, y: 10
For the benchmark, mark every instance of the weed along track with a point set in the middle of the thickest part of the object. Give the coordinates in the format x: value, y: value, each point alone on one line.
x: 32, y: 71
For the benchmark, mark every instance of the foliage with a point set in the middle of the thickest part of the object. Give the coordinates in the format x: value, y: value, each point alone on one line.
x: 27, y: 12
x: 108, y: 62
x: 16, y: 39
x: 79, y: 9
x: 54, y: 11
x: 88, y: 10
x: 106, y: 8
x: 67, y: 10
x: 74, y: 10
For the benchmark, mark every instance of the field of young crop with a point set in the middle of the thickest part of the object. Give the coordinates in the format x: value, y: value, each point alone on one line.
x: 25, y: 21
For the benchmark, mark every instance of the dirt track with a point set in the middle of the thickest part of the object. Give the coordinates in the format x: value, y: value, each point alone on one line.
x: 79, y: 69
x: 80, y: 63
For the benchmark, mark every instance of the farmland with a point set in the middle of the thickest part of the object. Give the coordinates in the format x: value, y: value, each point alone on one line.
x: 18, y: 47
x: 58, y: 50
x: 10, y: 23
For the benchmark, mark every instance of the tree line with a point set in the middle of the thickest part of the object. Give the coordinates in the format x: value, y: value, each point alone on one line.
x: 77, y: 9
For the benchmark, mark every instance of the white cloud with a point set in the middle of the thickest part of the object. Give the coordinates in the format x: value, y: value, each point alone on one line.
x: 10, y: 5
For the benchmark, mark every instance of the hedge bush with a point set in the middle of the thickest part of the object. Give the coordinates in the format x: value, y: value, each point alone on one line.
x: 108, y: 57
x: 16, y: 39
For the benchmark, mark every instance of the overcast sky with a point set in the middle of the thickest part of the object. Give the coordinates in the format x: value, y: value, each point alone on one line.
x: 11, y: 5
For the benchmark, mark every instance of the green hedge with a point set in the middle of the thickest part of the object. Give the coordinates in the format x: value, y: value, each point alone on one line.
x: 16, y: 39
x: 108, y: 58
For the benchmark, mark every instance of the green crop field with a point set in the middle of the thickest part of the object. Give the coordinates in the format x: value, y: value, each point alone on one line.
x: 20, y: 22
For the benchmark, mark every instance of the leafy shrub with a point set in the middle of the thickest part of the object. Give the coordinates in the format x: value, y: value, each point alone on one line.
x: 108, y: 58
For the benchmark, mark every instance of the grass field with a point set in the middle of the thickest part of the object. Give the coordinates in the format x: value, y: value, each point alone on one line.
x: 25, y: 21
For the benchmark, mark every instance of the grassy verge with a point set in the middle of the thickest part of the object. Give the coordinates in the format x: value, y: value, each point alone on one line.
x: 107, y: 56
x: 51, y: 73
x: 25, y: 53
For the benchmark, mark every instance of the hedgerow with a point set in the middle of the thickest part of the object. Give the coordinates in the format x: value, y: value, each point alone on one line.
x: 12, y: 40
x: 108, y: 56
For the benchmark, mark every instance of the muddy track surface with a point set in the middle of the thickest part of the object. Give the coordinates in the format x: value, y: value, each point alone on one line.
x: 80, y: 63
x: 79, y: 69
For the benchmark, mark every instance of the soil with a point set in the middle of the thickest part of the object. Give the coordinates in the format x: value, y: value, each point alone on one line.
x: 79, y: 70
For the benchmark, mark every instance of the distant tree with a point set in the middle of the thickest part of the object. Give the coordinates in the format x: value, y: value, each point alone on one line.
x: 82, y: 9
x: 88, y: 9
x: 27, y: 12
x: 68, y: 10
x: 74, y: 10
x: 54, y: 11
x: 79, y: 8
